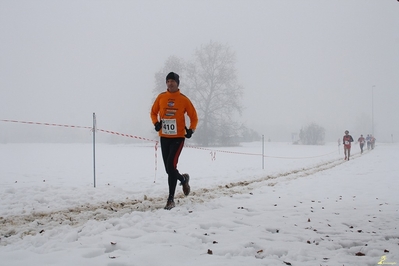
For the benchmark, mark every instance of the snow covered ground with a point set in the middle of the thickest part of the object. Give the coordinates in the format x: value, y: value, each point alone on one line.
x: 306, y: 207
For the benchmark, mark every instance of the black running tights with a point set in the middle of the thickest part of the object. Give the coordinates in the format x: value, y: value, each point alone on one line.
x: 171, y: 149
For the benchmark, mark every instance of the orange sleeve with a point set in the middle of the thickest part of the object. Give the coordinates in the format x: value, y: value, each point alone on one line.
x: 155, y: 110
x: 192, y: 114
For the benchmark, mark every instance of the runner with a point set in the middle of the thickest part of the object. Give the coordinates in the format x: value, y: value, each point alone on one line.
x: 368, y: 140
x: 372, y: 142
x: 168, y: 117
x: 361, y: 141
x: 347, y: 140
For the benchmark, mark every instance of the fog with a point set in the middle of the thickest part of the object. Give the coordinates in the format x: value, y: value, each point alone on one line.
x: 334, y: 63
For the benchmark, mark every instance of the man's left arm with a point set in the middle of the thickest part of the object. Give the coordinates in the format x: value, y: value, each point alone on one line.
x: 192, y: 114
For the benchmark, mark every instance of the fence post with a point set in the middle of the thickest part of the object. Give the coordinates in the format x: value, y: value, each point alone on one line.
x: 263, y: 151
x: 94, y: 147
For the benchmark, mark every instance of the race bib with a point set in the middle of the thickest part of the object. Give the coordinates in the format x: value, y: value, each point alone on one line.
x: 347, y: 142
x: 169, y: 127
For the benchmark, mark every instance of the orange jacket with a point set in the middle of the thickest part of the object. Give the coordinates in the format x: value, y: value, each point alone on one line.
x: 170, y: 108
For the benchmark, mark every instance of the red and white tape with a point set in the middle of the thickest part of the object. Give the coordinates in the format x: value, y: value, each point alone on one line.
x: 44, y: 124
x: 212, y: 151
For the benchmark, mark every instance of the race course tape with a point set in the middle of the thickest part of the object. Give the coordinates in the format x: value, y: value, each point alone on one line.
x: 125, y: 135
x: 213, y: 151
x: 44, y: 124
x: 72, y: 126
x: 259, y: 154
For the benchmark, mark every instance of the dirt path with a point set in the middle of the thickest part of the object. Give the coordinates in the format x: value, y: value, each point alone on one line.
x: 18, y: 226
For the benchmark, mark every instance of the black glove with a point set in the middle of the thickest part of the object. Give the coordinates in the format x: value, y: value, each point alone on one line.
x: 189, y: 133
x: 158, y: 126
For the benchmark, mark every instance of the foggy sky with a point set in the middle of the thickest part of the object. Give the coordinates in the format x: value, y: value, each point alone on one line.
x: 298, y: 61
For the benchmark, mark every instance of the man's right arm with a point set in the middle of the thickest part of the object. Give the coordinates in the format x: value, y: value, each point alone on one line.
x: 155, y: 111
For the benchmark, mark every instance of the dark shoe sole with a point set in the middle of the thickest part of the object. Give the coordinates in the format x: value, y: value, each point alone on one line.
x: 170, y: 205
x: 186, y: 185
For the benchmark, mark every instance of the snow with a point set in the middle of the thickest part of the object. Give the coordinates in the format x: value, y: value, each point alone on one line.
x: 306, y: 207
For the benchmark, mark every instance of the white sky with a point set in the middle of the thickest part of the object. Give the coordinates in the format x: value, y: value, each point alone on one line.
x: 299, y: 61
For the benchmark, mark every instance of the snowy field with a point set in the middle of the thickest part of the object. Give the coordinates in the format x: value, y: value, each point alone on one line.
x: 306, y: 207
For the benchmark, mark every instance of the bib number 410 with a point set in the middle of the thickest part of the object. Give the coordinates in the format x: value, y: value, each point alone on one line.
x: 169, y: 127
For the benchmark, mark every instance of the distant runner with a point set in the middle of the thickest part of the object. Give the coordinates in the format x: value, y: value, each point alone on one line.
x: 368, y: 140
x: 361, y: 141
x: 372, y: 142
x: 347, y: 140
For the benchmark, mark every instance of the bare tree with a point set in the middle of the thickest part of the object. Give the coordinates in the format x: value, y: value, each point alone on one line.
x: 312, y: 134
x: 210, y: 81
x: 212, y: 84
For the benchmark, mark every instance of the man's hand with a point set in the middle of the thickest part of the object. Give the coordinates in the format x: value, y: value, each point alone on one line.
x: 189, y: 133
x: 158, y: 126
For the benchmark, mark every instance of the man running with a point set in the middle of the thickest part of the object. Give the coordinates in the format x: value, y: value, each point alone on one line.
x: 347, y: 140
x: 372, y: 141
x: 168, y: 116
x: 361, y: 141
x: 368, y: 140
